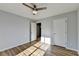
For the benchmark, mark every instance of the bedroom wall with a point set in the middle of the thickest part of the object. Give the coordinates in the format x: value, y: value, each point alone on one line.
x: 72, y: 37
x: 14, y: 30
x: 78, y: 29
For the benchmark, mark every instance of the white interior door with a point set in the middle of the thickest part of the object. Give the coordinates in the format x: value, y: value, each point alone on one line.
x: 33, y: 31
x: 60, y: 32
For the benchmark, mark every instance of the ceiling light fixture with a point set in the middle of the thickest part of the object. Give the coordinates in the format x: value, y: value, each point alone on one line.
x: 34, y: 12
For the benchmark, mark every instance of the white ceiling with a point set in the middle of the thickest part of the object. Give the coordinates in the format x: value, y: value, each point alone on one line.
x: 52, y: 9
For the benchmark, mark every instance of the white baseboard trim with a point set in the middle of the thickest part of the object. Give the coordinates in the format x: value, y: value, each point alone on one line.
x: 13, y: 46
x: 73, y: 49
x: 70, y: 49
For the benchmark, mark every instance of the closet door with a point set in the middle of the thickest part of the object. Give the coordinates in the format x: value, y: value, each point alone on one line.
x: 60, y: 32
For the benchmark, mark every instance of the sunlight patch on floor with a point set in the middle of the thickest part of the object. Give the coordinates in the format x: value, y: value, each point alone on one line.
x: 31, y: 49
x: 46, y: 40
x: 37, y: 49
x: 38, y: 44
x: 38, y: 52
x: 44, y: 47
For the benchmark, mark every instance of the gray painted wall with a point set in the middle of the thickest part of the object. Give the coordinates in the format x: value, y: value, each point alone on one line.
x: 14, y: 30
x: 78, y: 28
x: 72, y: 36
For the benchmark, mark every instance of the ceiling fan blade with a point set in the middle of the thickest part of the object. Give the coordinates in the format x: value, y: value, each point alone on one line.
x: 33, y: 5
x: 28, y: 6
x: 42, y: 8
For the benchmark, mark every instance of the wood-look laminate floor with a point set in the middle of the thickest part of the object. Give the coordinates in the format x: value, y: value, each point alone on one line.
x: 36, y: 48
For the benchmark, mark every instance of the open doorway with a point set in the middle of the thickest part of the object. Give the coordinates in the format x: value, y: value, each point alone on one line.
x: 38, y: 31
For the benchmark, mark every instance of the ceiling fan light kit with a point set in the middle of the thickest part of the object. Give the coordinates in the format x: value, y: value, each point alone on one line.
x: 34, y: 8
x: 34, y: 12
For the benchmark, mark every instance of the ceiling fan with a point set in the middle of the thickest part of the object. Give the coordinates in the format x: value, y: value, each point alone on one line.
x: 34, y: 8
